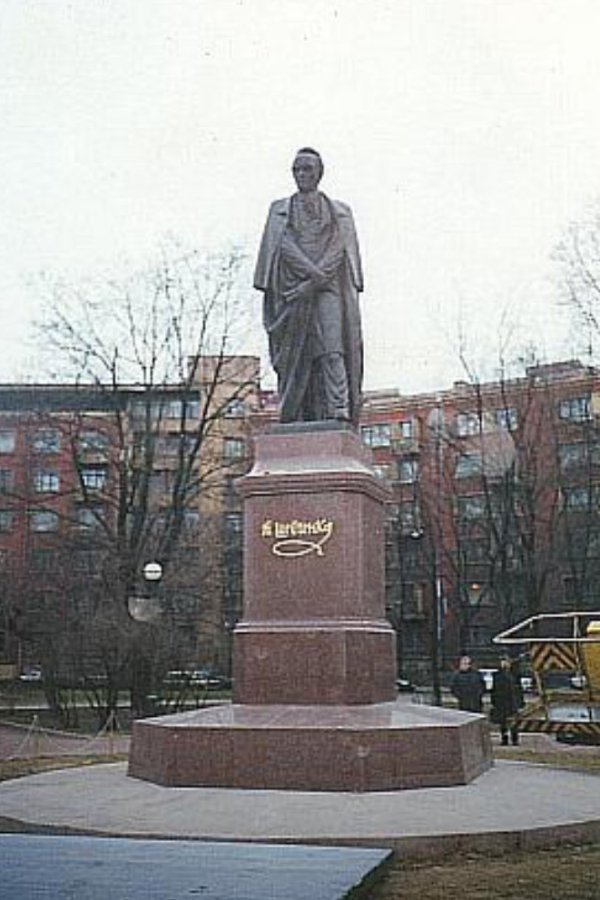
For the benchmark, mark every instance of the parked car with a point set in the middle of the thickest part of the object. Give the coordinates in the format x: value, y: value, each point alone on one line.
x: 198, y: 678
x: 527, y: 682
x: 31, y: 675
x: 404, y: 686
x: 488, y: 677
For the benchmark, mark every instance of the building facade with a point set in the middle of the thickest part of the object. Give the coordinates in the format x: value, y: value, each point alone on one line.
x: 493, y: 512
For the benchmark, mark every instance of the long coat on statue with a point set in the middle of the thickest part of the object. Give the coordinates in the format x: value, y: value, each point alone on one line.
x: 288, y: 323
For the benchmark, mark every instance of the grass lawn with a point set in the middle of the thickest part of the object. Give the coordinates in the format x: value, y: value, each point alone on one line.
x: 561, y: 759
x: 564, y: 873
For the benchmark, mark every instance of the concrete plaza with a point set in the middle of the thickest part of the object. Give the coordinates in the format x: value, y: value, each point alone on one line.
x: 512, y: 804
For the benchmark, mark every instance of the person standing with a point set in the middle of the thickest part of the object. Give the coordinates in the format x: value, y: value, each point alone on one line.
x: 309, y: 271
x: 507, y: 699
x: 468, y: 686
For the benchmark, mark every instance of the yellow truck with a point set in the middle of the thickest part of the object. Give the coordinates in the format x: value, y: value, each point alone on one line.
x: 564, y: 656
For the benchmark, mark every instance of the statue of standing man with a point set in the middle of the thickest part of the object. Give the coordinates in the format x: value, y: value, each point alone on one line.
x: 309, y: 270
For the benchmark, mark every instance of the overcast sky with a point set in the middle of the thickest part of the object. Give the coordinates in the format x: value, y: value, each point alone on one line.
x: 465, y: 134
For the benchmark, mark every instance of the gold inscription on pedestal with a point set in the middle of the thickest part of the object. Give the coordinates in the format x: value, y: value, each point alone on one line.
x: 296, y: 537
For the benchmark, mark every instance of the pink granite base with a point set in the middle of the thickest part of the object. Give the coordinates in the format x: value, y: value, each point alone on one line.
x: 376, y: 747
x: 315, y: 662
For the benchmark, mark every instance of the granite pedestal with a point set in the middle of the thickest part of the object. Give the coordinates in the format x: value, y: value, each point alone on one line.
x: 314, y: 704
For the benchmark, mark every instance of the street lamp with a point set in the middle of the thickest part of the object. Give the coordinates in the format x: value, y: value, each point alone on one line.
x: 152, y: 571
x: 417, y: 534
x: 147, y: 608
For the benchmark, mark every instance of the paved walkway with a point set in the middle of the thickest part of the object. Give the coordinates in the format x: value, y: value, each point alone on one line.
x: 36, y: 868
x: 513, y: 804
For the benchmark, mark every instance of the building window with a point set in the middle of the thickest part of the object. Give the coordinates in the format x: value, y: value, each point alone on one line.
x: 42, y: 520
x: 471, y: 507
x: 191, y: 522
x: 408, y: 471
x: 234, y: 522
x: 468, y: 465
x: 88, y: 517
x: 377, y: 435
x: 45, y: 482
x: 475, y: 551
x: 93, y: 479
x: 414, y: 640
x: 578, y: 455
x: 572, y: 456
x: 481, y: 635
x: 7, y: 441
x: 408, y: 515
x: 235, y: 408
x: 382, y: 472
x: 577, y: 499
x: 6, y: 480
x: 593, y: 544
x: 192, y: 409
x: 406, y: 429
x: 468, y: 424
x: 575, y: 409
x: 413, y: 604
x: 92, y: 442
x: 45, y: 441
x: 139, y: 409
x: 87, y: 562
x: 171, y: 444
x: 6, y: 520
x: 173, y: 409
x: 506, y: 418
x: 44, y: 559
x: 161, y: 482
x: 233, y: 448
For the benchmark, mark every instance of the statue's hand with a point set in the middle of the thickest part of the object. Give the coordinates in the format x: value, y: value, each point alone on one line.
x: 331, y: 262
x: 321, y: 280
x: 301, y: 292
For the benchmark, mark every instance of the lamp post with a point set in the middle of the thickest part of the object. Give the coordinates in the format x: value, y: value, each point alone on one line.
x: 435, y: 622
x: 144, y: 610
x: 147, y: 608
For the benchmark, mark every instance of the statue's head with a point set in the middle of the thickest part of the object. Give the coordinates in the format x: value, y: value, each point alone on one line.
x: 307, y: 169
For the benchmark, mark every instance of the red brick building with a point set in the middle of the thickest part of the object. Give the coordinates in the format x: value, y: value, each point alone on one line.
x: 493, y: 510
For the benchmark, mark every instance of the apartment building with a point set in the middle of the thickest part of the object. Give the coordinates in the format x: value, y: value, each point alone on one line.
x: 494, y: 508
x: 96, y: 480
x: 493, y: 511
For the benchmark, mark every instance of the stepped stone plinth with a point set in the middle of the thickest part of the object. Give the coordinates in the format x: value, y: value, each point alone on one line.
x: 314, y: 705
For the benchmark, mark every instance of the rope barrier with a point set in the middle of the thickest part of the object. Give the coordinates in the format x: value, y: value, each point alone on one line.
x: 35, y: 733
x: 35, y: 724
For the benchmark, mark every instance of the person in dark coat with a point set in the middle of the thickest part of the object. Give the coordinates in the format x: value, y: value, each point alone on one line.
x: 507, y: 699
x: 468, y: 686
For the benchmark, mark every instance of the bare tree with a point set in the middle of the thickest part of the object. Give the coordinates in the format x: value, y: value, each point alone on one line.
x: 496, y: 501
x: 154, y: 377
x: 577, y: 255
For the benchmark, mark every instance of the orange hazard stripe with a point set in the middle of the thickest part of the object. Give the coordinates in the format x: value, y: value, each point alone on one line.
x: 553, y: 655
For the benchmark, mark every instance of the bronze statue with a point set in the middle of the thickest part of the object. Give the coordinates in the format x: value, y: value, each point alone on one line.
x: 309, y: 270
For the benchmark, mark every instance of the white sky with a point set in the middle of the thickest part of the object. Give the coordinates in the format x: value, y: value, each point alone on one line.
x: 465, y: 134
